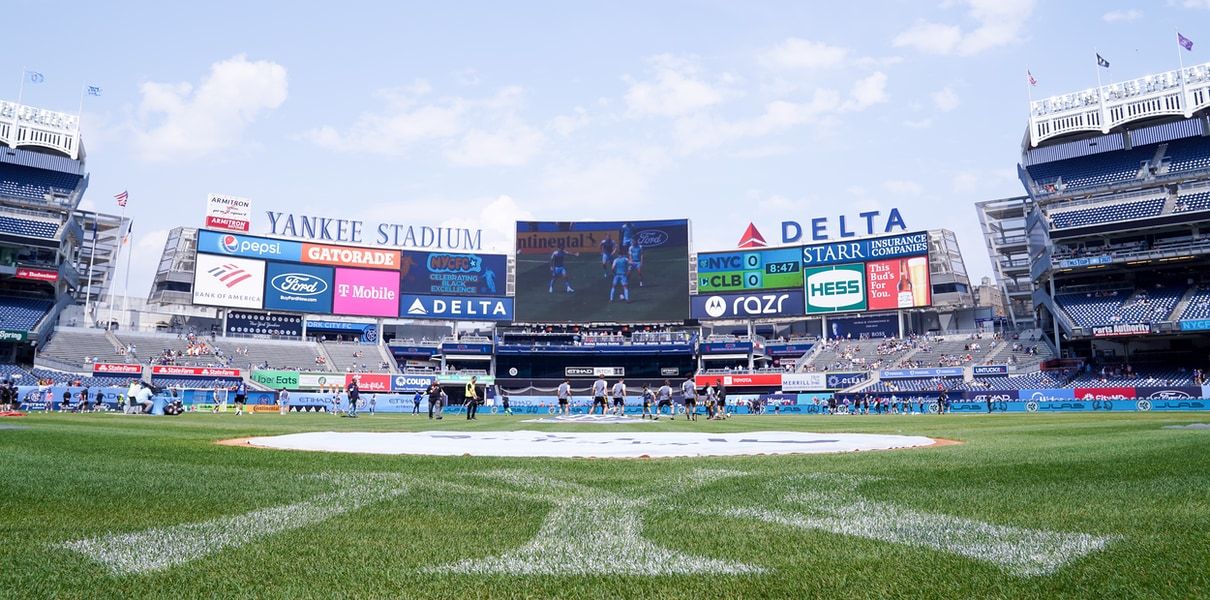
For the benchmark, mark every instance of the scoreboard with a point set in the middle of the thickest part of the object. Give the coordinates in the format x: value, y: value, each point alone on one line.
x: 750, y: 270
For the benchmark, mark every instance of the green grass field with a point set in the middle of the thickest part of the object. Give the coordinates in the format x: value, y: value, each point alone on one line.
x: 1115, y: 477
x: 663, y: 297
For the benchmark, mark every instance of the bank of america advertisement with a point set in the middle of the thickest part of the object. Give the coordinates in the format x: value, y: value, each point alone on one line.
x: 616, y: 271
x: 228, y: 281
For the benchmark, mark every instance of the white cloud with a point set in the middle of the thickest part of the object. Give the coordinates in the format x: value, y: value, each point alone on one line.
x: 946, y: 99
x: 924, y: 123
x: 800, y: 54
x: 869, y: 91
x: 468, y: 131
x: 1115, y: 16
x: 903, y: 187
x: 565, y: 125
x: 996, y: 23
x: 180, y: 121
x: 1197, y: 4
x: 676, y: 88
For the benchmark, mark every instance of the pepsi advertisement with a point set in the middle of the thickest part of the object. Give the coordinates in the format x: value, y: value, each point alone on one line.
x: 247, y: 246
x: 298, y: 288
x: 452, y: 273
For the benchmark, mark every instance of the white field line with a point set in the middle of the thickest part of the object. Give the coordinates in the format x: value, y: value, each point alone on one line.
x: 1020, y: 551
x: 593, y: 532
x: 163, y: 547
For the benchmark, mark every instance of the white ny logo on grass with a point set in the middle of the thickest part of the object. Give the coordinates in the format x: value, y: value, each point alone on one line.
x: 589, y: 531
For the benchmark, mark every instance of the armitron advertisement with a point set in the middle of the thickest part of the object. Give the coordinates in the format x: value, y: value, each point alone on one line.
x: 229, y: 282
x: 618, y: 271
x: 453, y: 273
x: 228, y: 212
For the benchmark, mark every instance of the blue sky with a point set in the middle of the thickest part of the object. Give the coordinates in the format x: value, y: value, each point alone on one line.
x: 476, y: 114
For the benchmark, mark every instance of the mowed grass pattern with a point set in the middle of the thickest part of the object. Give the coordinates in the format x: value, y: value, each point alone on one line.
x: 1122, y: 476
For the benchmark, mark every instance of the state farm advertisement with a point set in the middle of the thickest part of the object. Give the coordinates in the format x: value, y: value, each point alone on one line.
x: 753, y: 380
x: 46, y: 275
x: 117, y: 369
x: 194, y: 371
x: 369, y: 382
x: 898, y: 283
x: 348, y: 256
x: 228, y: 212
x: 366, y: 293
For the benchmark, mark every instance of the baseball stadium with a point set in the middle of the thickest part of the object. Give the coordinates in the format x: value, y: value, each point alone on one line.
x: 317, y: 405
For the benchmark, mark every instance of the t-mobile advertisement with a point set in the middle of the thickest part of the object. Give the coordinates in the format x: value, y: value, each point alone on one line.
x: 366, y: 293
x: 898, y: 283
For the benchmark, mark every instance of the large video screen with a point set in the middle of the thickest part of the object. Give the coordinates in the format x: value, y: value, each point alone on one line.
x: 617, y: 271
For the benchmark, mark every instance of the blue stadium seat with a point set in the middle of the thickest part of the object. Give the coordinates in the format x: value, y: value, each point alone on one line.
x: 1125, y: 211
x: 1189, y: 154
x: 27, y: 183
x: 1199, y: 305
x: 1092, y: 171
x: 1193, y: 202
x: 28, y: 227
x: 1121, y: 306
x: 21, y: 314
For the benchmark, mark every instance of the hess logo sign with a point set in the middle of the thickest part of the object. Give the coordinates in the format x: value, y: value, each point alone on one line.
x: 832, y: 289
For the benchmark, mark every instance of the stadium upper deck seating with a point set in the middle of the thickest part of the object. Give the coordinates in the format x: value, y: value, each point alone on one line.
x: 1199, y: 305
x: 1092, y: 171
x: 345, y: 357
x: 928, y: 384
x: 1141, y: 378
x: 1123, y: 211
x: 21, y: 314
x: 1121, y: 306
x: 1192, y: 202
x: 27, y: 183
x: 71, y: 346
x: 28, y: 227
x: 278, y: 354
x: 1189, y: 154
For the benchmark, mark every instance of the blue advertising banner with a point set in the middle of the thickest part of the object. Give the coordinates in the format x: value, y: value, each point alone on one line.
x: 839, y: 381
x: 871, y: 327
x: 1195, y: 325
x: 724, y: 347
x: 411, y: 383
x: 993, y: 395
x: 247, y: 246
x: 990, y: 370
x: 920, y: 373
x: 298, y: 288
x: 452, y: 274
x: 240, y: 322
x: 452, y: 307
x: 783, y: 303
x: 782, y: 350
x: 1069, y: 263
x: 365, y: 332
x: 1046, y: 395
x: 857, y: 251
x: 464, y: 348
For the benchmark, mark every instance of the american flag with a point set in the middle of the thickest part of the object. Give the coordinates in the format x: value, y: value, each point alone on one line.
x: 1030, y: 78
x: 121, y: 198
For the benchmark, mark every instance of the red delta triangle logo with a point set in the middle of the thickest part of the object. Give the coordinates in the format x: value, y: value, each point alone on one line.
x: 229, y: 274
x: 752, y: 238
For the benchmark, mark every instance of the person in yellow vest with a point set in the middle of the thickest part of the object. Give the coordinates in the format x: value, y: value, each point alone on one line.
x: 472, y: 399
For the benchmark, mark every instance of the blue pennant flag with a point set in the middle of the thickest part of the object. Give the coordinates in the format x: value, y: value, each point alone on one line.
x: 94, y: 90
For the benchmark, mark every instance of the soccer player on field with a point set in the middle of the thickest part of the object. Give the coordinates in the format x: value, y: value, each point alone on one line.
x: 607, y: 250
x: 636, y: 262
x: 689, y: 390
x: 621, y: 267
x: 711, y: 398
x: 627, y: 234
x: 619, y: 397
x: 598, y: 395
x: 648, y: 400
x: 564, y: 394
x: 558, y: 269
x: 665, y: 400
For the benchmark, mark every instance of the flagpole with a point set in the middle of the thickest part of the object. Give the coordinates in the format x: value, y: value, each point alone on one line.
x: 92, y: 259
x: 1180, y: 59
x: 1101, y: 92
x: 129, y: 252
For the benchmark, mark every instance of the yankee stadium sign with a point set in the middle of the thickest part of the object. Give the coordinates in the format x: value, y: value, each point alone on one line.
x: 349, y: 231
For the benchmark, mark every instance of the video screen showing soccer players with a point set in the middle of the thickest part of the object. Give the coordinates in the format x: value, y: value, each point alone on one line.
x: 616, y: 271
